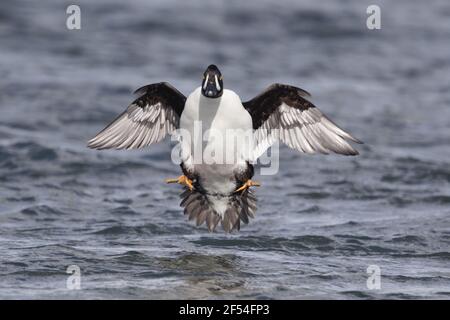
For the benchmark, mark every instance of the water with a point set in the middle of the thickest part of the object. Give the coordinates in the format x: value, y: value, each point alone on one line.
x: 322, y: 220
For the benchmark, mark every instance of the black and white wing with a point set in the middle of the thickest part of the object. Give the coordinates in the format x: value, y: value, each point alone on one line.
x: 147, y: 120
x: 281, y: 112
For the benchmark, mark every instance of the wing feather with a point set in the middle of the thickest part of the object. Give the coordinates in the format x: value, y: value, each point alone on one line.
x: 281, y: 112
x: 147, y: 120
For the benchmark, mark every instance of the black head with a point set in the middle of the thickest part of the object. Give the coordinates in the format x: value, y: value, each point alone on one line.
x: 212, y: 84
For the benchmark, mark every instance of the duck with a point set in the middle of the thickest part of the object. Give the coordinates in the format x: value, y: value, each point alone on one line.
x: 221, y: 138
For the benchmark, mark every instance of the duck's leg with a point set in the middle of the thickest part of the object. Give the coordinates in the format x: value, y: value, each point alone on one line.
x: 249, y: 183
x: 244, y: 178
x: 182, y: 180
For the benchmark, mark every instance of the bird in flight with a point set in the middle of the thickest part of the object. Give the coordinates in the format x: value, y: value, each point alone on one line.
x: 217, y: 190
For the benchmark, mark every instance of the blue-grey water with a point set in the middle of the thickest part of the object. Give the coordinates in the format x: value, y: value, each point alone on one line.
x: 322, y: 220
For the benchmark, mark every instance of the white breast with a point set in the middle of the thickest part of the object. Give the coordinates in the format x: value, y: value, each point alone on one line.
x: 221, y: 145
x: 211, y: 123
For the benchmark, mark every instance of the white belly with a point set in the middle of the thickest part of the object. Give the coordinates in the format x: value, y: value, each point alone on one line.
x: 221, y: 138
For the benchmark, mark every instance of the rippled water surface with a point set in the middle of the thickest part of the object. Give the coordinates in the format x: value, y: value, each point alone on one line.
x: 322, y: 220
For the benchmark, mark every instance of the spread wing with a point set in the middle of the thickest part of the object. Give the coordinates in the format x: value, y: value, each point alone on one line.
x: 147, y: 120
x: 282, y: 112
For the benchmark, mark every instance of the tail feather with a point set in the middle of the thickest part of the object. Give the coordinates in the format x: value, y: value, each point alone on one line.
x: 201, y: 218
x: 198, y: 206
x: 212, y: 220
